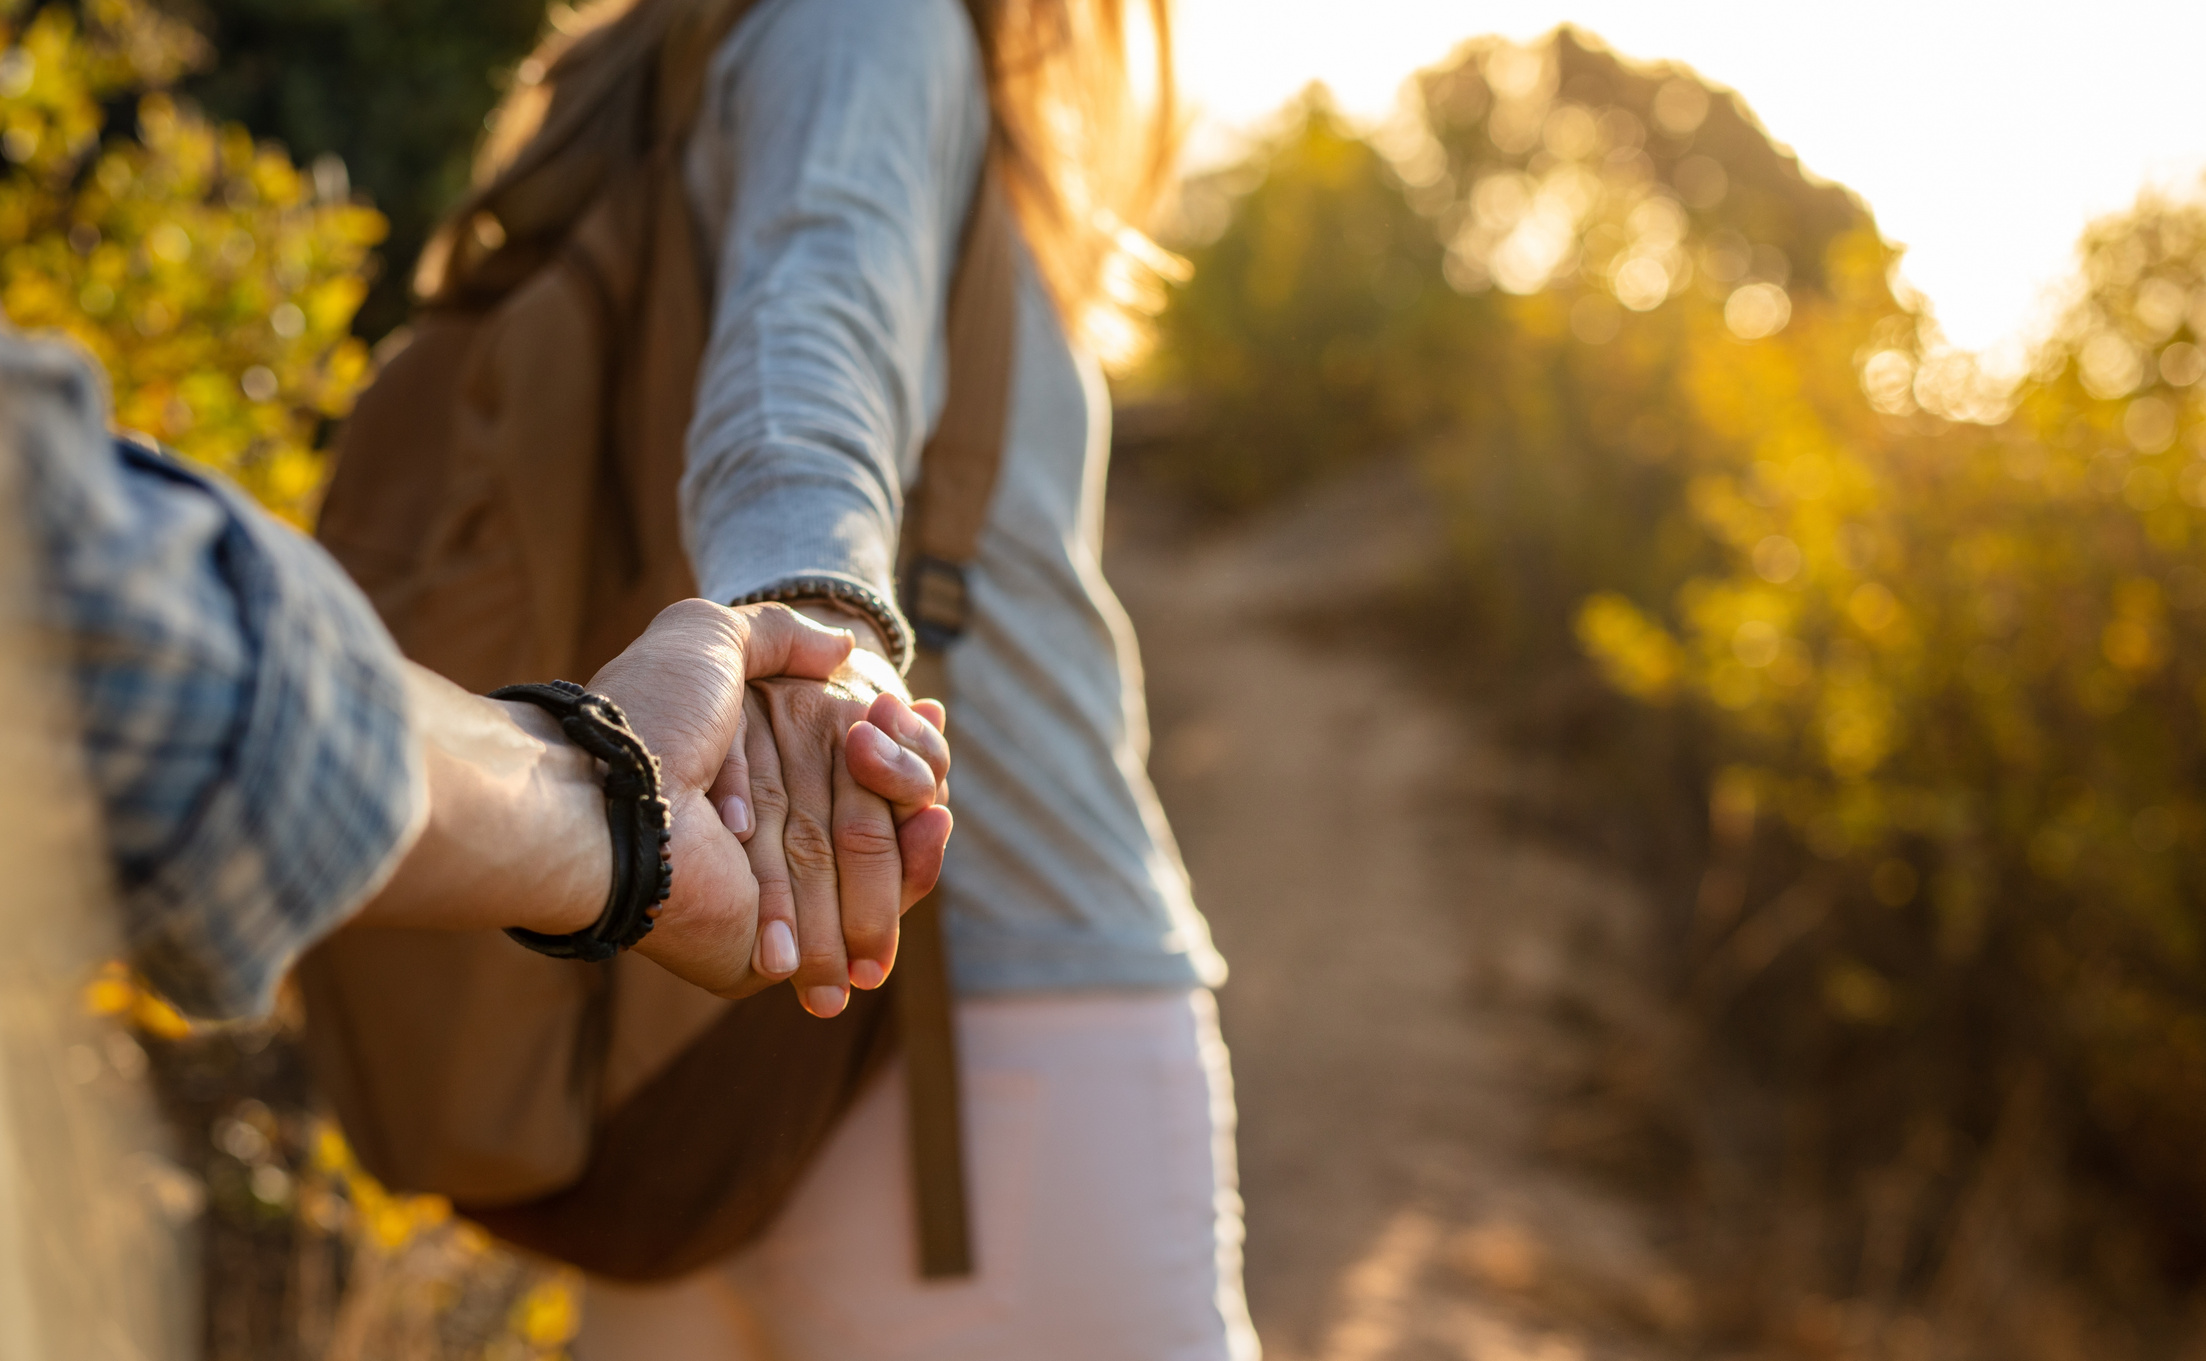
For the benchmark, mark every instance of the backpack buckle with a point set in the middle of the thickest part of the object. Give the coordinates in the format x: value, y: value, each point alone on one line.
x: 936, y: 600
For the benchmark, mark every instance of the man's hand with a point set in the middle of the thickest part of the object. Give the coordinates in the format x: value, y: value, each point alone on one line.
x: 682, y: 685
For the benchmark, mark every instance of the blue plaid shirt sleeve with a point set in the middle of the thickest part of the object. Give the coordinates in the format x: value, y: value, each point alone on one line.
x: 242, y: 711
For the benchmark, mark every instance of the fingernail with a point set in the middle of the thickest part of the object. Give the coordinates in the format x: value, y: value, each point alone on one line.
x: 735, y: 814
x: 867, y: 974
x: 825, y: 1001
x: 777, y: 950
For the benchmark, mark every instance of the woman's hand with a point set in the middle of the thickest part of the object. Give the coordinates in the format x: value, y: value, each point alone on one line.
x: 844, y: 824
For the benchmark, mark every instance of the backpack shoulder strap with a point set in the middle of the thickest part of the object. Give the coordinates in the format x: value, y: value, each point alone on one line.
x: 946, y: 511
x: 943, y: 519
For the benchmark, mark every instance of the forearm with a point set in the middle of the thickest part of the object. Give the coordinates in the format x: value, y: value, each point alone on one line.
x: 516, y: 832
x: 839, y: 159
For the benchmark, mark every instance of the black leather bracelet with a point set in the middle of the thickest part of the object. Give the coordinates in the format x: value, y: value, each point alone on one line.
x: 635, y: 810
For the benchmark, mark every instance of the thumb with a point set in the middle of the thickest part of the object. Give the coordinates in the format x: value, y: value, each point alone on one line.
x: 780, y: 642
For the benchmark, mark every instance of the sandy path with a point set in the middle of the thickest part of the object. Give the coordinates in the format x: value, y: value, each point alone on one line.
x: 1404, y: 976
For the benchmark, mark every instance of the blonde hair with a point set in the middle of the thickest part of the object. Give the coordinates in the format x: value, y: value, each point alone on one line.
x: 1084, y: 164
x: 1082, y: 160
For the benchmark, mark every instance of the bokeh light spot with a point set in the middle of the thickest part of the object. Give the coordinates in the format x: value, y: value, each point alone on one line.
x: 169, y: 242
x: 1777, y: 559
x: 2149, y: 424
x: 1889, y: 379
x: 1642, y: 283
x: 1680, y: 106
x: 1570, y: 132
x: 1757, y: 310
x: 1756, y: 643
x: 2159, y: 307
x: 1727, y: 257
x: 2110, y: 366
x: 2182, y: 364
x: 1700, y: 181
x: 1872, y: 607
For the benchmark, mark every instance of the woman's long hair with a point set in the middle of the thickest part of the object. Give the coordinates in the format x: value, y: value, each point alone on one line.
x: 1083, y: 155
x: 1083, y: 160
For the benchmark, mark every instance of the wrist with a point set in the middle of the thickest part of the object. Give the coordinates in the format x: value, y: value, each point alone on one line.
x: 516, y: 833
x: 637, y: 823
x: 566, y: 876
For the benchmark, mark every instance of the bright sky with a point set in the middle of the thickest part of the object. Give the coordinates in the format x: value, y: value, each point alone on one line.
x: 1984, y: 135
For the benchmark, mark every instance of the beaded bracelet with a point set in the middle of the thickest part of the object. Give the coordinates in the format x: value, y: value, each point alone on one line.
x: 847, y: 596
x: 635, y: 811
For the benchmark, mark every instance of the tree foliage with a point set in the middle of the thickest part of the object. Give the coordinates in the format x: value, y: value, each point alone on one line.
x: 1964, y: 665
x: 217, y: 282
x: 1939, y: 646
x: 214, y: 281
x: 397, y: 89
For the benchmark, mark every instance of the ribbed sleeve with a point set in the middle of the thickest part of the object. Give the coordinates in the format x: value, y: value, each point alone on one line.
x: 835, y: 176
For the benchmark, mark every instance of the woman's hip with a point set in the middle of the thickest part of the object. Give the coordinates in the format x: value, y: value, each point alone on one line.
x: 1099, y: 1151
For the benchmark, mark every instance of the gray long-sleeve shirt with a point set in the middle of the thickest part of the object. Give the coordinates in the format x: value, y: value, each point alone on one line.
x: 834, y: 163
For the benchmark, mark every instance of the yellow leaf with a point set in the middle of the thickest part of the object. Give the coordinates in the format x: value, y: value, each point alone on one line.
x: 548, y: 1316
x: 156, y: 1017
x: 1635, y: 654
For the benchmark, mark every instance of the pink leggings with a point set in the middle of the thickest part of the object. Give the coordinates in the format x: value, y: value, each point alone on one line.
x: 1100, y: 1144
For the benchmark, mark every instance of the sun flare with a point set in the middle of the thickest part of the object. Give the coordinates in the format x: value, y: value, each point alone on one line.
x: 1945, y: 117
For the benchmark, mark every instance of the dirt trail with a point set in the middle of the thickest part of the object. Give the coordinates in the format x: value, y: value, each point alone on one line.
x: 1413, y: 991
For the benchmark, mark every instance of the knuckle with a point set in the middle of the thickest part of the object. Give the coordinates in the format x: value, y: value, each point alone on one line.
x: 811, y: 701
x: 904, y: 791
x: 869, y: 944
x: 694, y: 616
x: 793, y: 706
x: 747, y: 624
x: 866, y: 839
x: 768, y: 798
x: 694, y: 609
x: 809, y: 845
x: 834, y: 710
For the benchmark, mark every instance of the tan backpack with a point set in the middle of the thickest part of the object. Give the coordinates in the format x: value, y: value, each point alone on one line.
x: 505, y: 493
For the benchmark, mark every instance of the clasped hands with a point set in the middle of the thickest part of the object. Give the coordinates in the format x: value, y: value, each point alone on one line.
x: 807, y: 798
